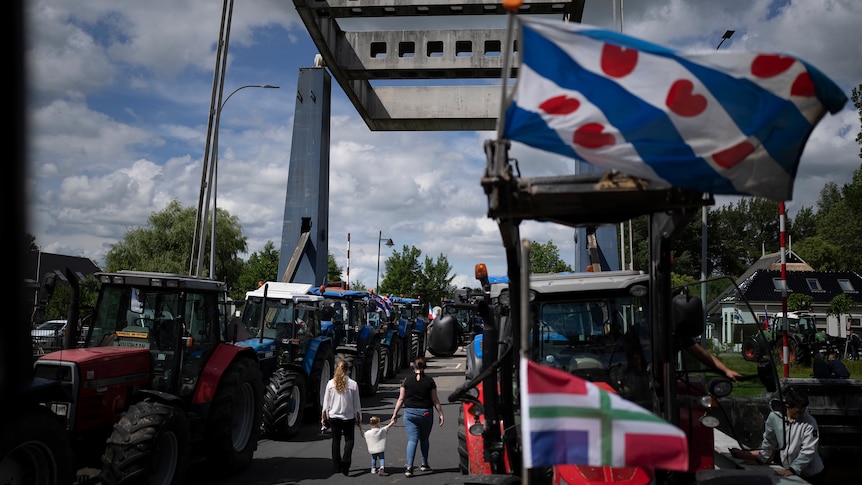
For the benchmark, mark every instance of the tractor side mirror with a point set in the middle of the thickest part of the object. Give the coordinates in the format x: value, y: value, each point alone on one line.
x: 687, y: 314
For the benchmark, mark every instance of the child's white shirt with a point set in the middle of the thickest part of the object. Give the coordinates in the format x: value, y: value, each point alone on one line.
x: 376, y: 439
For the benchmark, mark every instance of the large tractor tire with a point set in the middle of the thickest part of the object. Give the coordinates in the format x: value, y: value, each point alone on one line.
x: 396, y: 356
x: 284, y: 404
x: 371, y: 370
x: 150, y: 444
x: 234, y: 422
x: 753, y: 349
x: 415, y: 349
x: 348, y: 356
x: 463, y: 454
x: 385, y: 362
x: 444, y: 337
x: 35, y: 449
x: 321, y: 373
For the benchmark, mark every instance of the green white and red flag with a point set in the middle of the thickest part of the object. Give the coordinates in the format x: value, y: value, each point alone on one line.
x: 569, y: 421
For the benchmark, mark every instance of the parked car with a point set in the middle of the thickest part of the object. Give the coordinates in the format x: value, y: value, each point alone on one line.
x: 48, y: 336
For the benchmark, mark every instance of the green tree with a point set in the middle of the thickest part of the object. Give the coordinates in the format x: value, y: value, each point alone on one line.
x: 261, y: 266
x: 433, y: 283
x: 164, y: 244
x: 406, y: 276
x: 30, y: 241
x: 840, y: 305
x: 738, y: 233
x: 545, y: 258
x: 401, y: 272
x: 57, y: 307
x: 856, y: 98
x: 799, y: 302
x: 333, y: 271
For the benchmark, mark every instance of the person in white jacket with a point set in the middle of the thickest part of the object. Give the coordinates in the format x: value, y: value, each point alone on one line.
x: 342, y: 411
x: 791, y: 439
x: 375, y: 438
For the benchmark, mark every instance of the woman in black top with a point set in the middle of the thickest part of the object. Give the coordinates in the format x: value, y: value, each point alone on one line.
x: 418, y: 397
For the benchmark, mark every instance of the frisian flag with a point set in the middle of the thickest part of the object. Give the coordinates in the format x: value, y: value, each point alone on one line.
x: 722, y: 122
x: 569, y: 421
x: 382, y: 303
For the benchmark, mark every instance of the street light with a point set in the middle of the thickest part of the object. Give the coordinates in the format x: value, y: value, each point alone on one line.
x: 389, y: 243
x: 727, y: 34
x: 215, y: 171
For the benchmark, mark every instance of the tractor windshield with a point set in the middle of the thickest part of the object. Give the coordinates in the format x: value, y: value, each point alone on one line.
x: 599, y: 339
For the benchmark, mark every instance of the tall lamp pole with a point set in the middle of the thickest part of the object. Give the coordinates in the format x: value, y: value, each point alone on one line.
x: 389, y: 243
x: 727, y: 35
x: 215, y: 172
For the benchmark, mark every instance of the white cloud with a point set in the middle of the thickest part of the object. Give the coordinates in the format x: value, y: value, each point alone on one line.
x: 120, y: 101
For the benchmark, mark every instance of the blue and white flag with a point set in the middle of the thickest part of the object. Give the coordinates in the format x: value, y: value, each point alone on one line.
x: 718, y: 122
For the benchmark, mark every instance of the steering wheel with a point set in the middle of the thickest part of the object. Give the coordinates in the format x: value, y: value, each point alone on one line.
x: 143, y: 322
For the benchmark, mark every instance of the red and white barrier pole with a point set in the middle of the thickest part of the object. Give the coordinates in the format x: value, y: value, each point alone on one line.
x: 784, y: 291
x: 347, y: 283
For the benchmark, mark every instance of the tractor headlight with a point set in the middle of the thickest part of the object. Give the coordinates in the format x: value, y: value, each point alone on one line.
x: 709, y: 421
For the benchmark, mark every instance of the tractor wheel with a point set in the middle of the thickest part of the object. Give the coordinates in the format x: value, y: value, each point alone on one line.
x: 321, y: 373
x: 283, y: 404
x: 385, y: 362
x: 752, y: 350
x: 350, y: 358
x: 150, y: 444
x: 371, y: 370
x: 34, y: 448
x: 463, y: 453
x: 234, y: 421
x: 415, y: 346
x: 396, y: 356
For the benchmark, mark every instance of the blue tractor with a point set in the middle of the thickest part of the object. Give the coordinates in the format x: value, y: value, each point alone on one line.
x: 410, y: 313
x: 356, y: 338
x: 282, y: 323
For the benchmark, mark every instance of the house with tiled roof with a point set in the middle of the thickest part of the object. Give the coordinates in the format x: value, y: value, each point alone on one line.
x: 761, y: 286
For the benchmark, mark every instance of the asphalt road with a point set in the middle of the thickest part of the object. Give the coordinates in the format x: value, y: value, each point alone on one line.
x: 306, y: 459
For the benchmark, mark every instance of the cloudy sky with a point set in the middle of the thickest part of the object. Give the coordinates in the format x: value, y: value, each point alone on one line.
x: 120, y: 93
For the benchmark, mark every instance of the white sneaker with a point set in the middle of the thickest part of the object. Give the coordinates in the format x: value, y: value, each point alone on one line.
x: 373, y: 470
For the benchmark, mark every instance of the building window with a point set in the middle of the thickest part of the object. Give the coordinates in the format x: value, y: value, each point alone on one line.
x: 813, y: 284
x: 779, y: 284
x: 846, y: 286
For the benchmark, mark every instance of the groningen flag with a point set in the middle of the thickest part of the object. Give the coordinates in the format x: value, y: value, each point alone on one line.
x: 719, y: 122
x: 569, y: 421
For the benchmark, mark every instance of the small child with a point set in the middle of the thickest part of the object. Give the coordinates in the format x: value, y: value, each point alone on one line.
x: 376, y: 440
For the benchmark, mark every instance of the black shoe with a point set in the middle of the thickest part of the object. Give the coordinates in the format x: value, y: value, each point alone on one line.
x: 408, y: 472
x: 425, y: 467
x: 382, y: 472
x: 345, y: 470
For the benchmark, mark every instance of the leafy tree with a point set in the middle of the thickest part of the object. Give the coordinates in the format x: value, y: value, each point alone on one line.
x: 821, y: 254
x: 333, y: 271
x: 799, y: 302
x: 434, y: 283
x: 261, y: 266
x: 840, y: 305
x: 405, y: 276
x: 164, y: 245
x: 856, y: 97
x: 402, y: 269
x: 358, y: 285
x: 738, y: 233
x: 804, y: 224
x: 57, y: 307
x: 545, y: 258
x: 30, y: 241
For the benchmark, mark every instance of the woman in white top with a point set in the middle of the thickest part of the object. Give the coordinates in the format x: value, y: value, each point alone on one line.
x: 342, y: 408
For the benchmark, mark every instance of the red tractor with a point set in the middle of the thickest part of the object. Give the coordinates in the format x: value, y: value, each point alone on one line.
x: 156, y: 385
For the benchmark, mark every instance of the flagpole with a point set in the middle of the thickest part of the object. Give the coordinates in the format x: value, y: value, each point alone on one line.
x: 525, y: 329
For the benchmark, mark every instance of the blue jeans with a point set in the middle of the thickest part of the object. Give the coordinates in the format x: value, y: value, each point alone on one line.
x: 418, y: 423
x: 378, y: 457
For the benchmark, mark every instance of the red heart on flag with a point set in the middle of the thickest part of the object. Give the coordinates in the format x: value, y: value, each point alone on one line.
x: 560, y: 105
x: 769, y: 65
x: 591, y: 136
x: 682, y: 101
x: 733, y: 155
x: 618, y: 61
x: 802, y: 86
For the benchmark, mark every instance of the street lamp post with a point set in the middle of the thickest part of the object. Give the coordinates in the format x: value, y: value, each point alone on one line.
x: 389, y: 243
x: 727, y: 34
x: 215, y: 171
